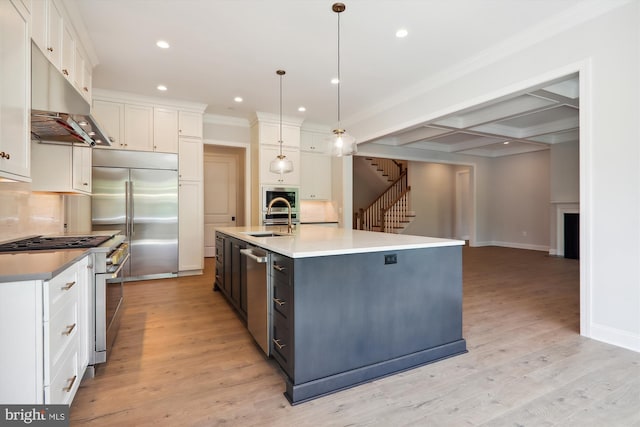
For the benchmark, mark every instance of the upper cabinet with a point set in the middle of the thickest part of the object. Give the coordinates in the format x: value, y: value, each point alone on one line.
x: 190, y: 124
x: 138, y: 123
x: 15, y: 91
x: 47, y: 29
x: 165, y: 123
x: 138, y: 127
x: 54, y: 34
x: 64, y: 168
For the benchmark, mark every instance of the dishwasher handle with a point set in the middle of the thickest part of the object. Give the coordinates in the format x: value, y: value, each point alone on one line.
x: 249, y: 253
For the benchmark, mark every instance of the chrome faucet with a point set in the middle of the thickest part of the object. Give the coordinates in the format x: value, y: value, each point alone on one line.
x: 282, y: 199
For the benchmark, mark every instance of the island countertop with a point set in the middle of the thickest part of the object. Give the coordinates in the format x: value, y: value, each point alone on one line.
x: 315, y: 241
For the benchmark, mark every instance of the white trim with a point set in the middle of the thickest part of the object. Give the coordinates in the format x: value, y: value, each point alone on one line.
x: 247, y: 171
x: 515, y: 245
x: 561, y: 209
x: 615, y: 336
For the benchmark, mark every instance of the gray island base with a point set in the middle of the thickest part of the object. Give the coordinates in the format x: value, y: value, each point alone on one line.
x: 356, y: 318
x: 342, y: 319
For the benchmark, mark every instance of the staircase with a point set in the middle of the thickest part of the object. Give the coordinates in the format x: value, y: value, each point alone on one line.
x: 389, y: 213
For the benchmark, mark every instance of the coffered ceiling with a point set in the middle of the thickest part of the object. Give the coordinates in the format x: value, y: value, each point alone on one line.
x: 519, y: 123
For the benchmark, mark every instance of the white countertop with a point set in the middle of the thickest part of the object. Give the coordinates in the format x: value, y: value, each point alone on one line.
x: 314, y: 241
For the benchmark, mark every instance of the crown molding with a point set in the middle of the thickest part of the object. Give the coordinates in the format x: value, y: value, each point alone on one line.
x: 152, y: 101
x: 275, y: 118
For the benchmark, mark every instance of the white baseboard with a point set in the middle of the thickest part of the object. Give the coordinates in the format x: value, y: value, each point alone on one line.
x: 614, y: 336
x: 513, y: 245
x: 553, y: 252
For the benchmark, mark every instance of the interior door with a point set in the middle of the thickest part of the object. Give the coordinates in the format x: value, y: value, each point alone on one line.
x: 220, y: 196
x: 154, y: 216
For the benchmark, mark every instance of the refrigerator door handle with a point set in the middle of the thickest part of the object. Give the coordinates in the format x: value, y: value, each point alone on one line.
x: 126, y: 208
x: 131, y: 214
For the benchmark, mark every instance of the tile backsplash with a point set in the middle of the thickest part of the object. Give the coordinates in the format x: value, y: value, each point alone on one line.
x: 317, y: 211
x: 23, y: 213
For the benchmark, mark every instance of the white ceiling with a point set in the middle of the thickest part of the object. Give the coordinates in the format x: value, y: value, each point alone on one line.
x: 221, y: 49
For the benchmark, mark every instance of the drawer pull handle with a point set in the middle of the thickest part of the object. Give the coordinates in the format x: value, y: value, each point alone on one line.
x: 70, y: 386
x: 277, y: 344
x: 69, y: 329
x: 279, y: 302
x: 278, y: 268
x: 68, y: 286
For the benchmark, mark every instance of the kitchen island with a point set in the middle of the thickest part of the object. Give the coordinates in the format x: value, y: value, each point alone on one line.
x: 349, y: 306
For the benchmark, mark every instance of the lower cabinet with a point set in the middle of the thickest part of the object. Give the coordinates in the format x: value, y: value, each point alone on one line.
x: 48, y: 336
x: 230, y: 271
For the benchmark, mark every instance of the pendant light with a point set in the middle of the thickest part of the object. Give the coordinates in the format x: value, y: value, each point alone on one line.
x: 281, y: 164
x: 343, y: 143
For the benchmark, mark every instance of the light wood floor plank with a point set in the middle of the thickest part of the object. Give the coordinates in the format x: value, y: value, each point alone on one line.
x: 184, y: 358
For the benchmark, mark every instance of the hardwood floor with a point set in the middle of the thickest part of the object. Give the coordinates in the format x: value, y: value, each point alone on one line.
x: 183, y: 357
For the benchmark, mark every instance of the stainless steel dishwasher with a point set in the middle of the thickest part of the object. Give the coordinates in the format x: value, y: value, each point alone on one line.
x: 258, y: 296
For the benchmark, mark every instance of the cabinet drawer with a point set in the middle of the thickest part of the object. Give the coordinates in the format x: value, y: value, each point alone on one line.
x: 65, y: 381
x: 60, y: 333
x: 282, y: 269
x: 281, y: 343
x: 60, y: 289
x: 282, y: 298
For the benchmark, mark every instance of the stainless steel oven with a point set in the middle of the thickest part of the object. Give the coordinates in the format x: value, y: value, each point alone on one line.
x: 279, y: 210
x: 109, y: 270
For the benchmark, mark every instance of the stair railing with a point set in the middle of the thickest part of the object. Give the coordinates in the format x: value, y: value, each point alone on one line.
x: 390, y: 168
x: 391, y: 218
x: 372, y: 216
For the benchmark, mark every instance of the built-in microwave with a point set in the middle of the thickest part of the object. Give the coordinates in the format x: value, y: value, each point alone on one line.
x: 279, y: 209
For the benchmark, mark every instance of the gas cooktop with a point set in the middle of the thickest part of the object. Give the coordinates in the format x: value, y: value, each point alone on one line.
x: 48, y: 243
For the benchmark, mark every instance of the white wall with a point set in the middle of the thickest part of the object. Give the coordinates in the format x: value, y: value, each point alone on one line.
x: 519, y: 200
x: 432, y: 197
x: 605, y: 50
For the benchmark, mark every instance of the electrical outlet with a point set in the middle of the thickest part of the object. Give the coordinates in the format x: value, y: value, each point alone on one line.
x: 391, y: 259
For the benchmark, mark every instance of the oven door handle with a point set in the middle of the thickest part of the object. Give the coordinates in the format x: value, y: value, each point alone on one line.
x: 115, y: 274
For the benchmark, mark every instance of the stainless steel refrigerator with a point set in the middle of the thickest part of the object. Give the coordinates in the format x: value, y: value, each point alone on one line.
x: 137, y: 193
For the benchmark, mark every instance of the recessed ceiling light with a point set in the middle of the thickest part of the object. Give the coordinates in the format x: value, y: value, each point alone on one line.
x: 238, y: 99
x: 401, y: 33
x: 506, y: 142
x: 162, y: 87
x: 162, y: 44
x: 335, y: 81
x: 302, y: 109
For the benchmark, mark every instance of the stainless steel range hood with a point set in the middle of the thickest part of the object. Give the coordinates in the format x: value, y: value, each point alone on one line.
x: 58, y: 112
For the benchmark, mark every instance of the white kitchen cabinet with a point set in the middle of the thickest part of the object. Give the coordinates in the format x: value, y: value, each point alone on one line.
x: 269, y: 133
x: 190, y: 159
x: 190, y: 205
x: 15, y: 91
x: 314, y: 142
x: 111, y: 116
x: 315, y: 176
x: 68, y: 64
x: 47, y: 29
x: 268, y: 153
x: 87, y: 82
x: 61, y: 168
x: 138, y: 127
x: 190, y: 225
x: 49, y: 331
x: 165, y: 130
x: 190, y: 124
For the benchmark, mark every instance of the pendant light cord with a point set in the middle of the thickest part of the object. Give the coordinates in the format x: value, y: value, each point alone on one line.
x: 339, y: 77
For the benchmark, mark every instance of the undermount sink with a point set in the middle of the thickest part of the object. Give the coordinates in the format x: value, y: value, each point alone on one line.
x: 265, y: 234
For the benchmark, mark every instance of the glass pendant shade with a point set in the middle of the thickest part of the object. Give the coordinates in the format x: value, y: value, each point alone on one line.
x: 281, y: 165
x: 343, y: 143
